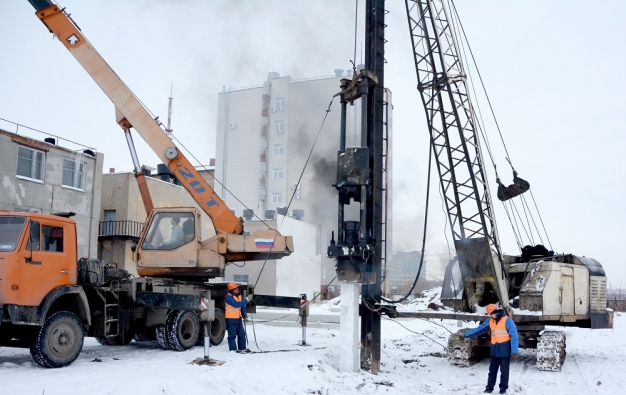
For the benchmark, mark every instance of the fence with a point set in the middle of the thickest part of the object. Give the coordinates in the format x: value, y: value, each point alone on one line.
x: 616, y: 299
x: 131, y: 229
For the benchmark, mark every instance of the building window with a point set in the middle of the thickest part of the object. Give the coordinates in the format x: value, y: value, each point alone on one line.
x: 278, y: 149
x: 279, y: 127
x: 241, y: 278
x: 71, y: 177
x: 30, y: 163
x: 277, y: 172
x: 277, y: 197
x: 279, y: 103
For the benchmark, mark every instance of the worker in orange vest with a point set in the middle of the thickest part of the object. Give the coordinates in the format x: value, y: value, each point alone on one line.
x: 235, y: 311
x: 504, y: 345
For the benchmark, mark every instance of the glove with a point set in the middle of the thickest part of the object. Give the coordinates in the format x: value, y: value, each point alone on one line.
x: 247, y: 320
x: 249, y: 297
x: 462, y: 337
x: 515, y: 357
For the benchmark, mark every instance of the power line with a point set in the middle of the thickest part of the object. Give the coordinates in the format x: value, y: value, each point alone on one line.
x: 46, y: 133
x: 306, y: 163
x: 419, y: 270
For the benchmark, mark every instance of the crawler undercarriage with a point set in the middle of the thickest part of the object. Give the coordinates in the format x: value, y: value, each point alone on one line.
x: 550, y: 346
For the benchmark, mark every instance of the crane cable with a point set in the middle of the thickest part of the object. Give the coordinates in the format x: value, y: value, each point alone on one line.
x: 480, y: 122
x: 216, y: 180
x: 457, y: 20
x: 419, y: 269
x: 328, y: 110
x: 156, y: 118
x: 356, y: 12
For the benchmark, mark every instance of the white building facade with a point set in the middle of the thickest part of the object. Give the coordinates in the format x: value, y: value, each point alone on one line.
x: 265, y: 135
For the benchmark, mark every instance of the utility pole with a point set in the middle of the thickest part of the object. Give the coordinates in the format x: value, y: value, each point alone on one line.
x: 358, y: 248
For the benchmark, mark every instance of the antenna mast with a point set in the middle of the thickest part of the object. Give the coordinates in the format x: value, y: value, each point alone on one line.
x: 168, y: 129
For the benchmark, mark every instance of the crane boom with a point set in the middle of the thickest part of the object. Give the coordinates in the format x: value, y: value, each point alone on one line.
x: 442, y: 83
x: 131, y: 113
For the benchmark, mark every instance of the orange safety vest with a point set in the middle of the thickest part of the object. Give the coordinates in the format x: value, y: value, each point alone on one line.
x: 232, y: 311
x: 499, y: 333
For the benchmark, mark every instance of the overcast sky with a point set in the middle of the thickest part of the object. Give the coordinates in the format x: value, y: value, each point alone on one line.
x: 552, y: 70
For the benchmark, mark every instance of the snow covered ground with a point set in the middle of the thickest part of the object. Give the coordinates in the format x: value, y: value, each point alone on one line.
x: 411, y: 363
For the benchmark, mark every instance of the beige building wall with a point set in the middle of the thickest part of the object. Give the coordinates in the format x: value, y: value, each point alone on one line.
x: 120, y: 193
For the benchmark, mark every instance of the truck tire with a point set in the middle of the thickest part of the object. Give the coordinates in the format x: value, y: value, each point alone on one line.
x: 148, y: 334
x: 59, y: 342
x: 141, y: 337
x: 119, y: 340
x: 182, y: 330
x: 161, y: 337
x: 218, y: 327
x: 105, y: 341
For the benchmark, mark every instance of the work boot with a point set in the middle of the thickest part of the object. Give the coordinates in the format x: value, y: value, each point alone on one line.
x: 502, y: 392
x: 487, y: 391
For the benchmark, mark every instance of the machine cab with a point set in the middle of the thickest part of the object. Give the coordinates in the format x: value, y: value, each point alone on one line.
x: 170, y: 246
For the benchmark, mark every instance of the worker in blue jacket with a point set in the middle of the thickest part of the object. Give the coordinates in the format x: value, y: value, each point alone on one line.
x: 235, y: 311
x: 504, y: 344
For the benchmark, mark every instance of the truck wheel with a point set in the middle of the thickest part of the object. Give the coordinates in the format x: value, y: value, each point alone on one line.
x: 141, y: 337
x: 59, y: 342
x: 122, y: 339
x: 182, y: 330
x: 148, y: 334
x: 218, y: 327
x: 161, y: 337
x: 160, y: 331
x: 105, y: 341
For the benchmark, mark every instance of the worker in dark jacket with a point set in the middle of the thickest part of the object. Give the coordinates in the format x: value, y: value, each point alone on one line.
x: 235, y: 311
x: 504, y: 344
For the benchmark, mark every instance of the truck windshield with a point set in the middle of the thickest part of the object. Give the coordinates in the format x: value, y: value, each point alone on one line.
x: 10, y: 230
x: 169, y: 231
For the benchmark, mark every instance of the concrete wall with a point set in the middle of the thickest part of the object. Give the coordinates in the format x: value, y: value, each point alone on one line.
x: 49, y: 195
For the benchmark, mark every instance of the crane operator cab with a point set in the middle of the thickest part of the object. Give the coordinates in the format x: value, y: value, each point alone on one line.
x: 171, y: 245
x: 169, y: 231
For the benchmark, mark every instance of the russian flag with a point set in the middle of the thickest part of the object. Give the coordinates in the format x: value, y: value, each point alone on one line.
x: 264, y: 243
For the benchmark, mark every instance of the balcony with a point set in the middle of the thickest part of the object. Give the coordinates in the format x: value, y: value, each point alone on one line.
x: 119, y: 230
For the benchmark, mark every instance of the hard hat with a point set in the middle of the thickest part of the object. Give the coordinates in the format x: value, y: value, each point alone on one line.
x: 232, y: 286
x: 490, y: 307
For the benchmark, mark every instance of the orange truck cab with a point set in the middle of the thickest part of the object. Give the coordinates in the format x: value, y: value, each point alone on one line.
x: 37, y: 255
x: 38, y: 290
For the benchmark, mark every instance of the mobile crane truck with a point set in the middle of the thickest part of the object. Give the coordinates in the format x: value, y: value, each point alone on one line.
x: 49, y: 299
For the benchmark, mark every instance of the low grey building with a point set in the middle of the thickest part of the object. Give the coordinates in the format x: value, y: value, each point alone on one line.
x: 40, y: 176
